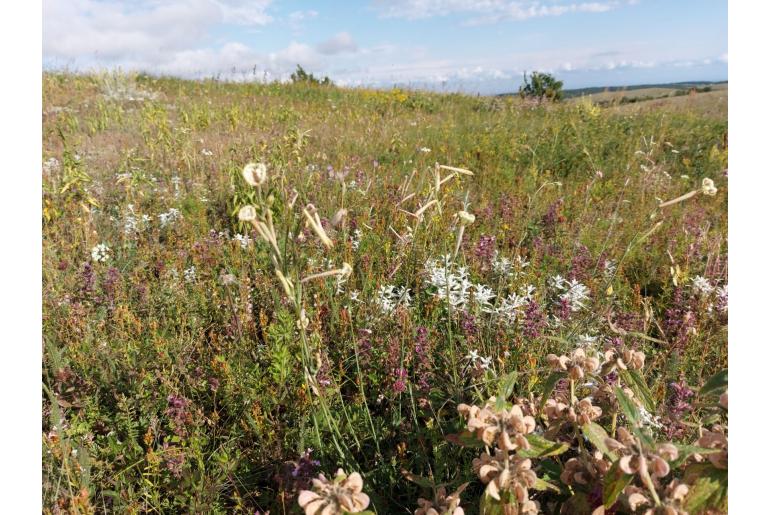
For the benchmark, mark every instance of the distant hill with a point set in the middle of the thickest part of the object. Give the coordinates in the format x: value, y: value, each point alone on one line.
x: 571, y: 93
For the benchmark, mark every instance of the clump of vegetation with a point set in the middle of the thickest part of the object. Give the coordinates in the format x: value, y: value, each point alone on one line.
x: 301, y: 76
x: 458, y: 308
x: 541, y: 86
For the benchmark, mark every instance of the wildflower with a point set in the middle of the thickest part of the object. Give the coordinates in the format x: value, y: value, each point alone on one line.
x: 189, y: 274
x: 465, y: 219
x: 355, y: 239
x: 243, y: 240
x: 342, y: 494
x: 451, y: 284
x: 715, y: 439
x: 707, y: 187
x: 502, y: 474
x: 389, y: 296
x: 501, y: 265
x: 100, y: 253
x: 585, y: 470
x: 344, y: 272
x: 701, y: 285
x: 722, y: 299
x: 227, y: 279
x: 575, y: 365
x: 483, y: 296
x: 442, y: 504
x: 311, y: 214
x: 207, y: 153
x: 339, y: 217
x: 424, y: 150
x: 169, y: 217
x: 632, y: 462
x: 255, y: 174
x: 506, y: 428
x: 247, y: 214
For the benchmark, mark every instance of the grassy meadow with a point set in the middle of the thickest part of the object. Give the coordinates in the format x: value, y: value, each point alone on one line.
x: 525, y: 324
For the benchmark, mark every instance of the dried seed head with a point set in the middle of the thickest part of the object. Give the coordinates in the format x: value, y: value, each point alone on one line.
x: 466, y: 218
x: 255, y: 174
x: 247, y: 214
x: 708, y: 188
x: 339, y: 217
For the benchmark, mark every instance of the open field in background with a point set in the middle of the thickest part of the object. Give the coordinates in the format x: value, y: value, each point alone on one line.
x: 181, y: 374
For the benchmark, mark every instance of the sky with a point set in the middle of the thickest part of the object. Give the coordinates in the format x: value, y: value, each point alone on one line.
x: 473, y: 46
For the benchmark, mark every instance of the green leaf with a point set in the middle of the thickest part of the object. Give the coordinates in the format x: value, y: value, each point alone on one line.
x: 709, y: 491
x: 505, y: 389
x: 597, y: 436
x: 636, y: 382
x: 685, y: 451
x: 549, y: 385
x: 716, y: 385
x: 614, y: 483
x: 420, y: 480
x: 540, y: 447
x: 465, y: 439
x: 543, y: 485
x: 627, y: 405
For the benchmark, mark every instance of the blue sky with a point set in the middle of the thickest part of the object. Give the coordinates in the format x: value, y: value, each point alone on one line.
x: 479, y: 46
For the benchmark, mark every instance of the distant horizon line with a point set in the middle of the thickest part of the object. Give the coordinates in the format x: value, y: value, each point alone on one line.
x: 413, y: 86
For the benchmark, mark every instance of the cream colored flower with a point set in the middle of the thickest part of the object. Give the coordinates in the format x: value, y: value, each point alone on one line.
x: 255, y: 174
x: 247, y: 214
x: 466, y: 218
x: 343, y: 494
x: 708, y: 188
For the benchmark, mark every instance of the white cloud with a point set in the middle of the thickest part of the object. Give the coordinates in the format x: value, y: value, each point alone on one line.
x: 338, y: 44
x: 486, y: 11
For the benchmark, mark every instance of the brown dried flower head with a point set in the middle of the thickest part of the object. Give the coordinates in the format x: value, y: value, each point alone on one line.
x: 502, y: 473
x: 443, y: 504
x: 342, y: 494
x: 575, y: 365
x: 505, y: 428
x: 715, y: 439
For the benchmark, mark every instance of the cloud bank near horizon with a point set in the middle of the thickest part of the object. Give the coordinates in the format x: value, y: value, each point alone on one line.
x: 262, y: 40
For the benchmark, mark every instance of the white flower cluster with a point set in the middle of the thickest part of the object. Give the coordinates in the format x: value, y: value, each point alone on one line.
x: 190, y: 274
x: 133, y: 223
x: 483, y: 361
x: 514, y: 304
x: 243, y: 240
x: 503, y: 266
x: 389, y: 296
x: 572, y: 291
x: 100, y: 253
x: 169, y: 217
x: 722, y: 295
x: 702, y: 286
x: 451, y: 282
x: 51, y: 165
x: 355, y: 239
